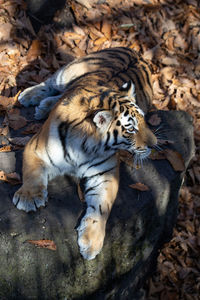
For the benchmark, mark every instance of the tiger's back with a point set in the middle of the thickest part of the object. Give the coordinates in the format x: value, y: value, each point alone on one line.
x: 111, y: 67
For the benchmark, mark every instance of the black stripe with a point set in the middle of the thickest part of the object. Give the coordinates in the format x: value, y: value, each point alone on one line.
x: 115, y: 133
x: 93, y: 194
x: 83, y: 147
x: 108, y: 137
x: 137, y: 77
x: 101, y: 173
x: 147, y: 76
x: 113, y: 106
x: 93, y: 58
x: 82, y: 100
x: 101, y: 162
x: 77, y: 123
x: 126, y: 113
x: 50, y: 159
x: 62, y: 130
x: 115, y: 56
x: 102, y: 97
x: 123, y: 143
x: 121, y: 109
x: 100, y: 210
x: 68, y: 86
x: 109, y: 101
x: 85, y: 163
x: 124, y: 101
x: 93, y: 207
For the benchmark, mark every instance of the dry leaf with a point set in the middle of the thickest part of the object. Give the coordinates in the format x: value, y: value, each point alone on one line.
x: 175, y: 159
x: 155, y: 155
x: 6, y: 148
x: 16, y: 121
x: 100, y: 41
x: 154, y: 120
x: 4, y: 131
x: 126, y: 157
x: 32, y: 128
x: 6, y: 103
x: 20, y: 141
x: 12, y: 178
x: 34, y: 50
x: 106, y: 29
x: 5, y: 31
x: 47, y: 244
x: 3, y: 176
x: 139, y: 186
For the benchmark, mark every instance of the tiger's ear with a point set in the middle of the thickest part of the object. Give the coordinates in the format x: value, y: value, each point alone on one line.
x: 102, y: 119
x: 129, y: 89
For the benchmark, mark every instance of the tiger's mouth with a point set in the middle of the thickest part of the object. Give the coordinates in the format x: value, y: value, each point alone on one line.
x: 143, y: 153
x: 140, y: 155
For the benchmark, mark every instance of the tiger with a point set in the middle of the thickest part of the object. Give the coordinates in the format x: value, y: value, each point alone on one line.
x: 97, y: 106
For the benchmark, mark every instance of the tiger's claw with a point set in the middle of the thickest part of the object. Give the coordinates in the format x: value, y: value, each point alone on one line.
x: 27, y: 202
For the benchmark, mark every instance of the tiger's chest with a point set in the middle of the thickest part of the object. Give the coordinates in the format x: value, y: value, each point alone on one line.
x: 74, y: 160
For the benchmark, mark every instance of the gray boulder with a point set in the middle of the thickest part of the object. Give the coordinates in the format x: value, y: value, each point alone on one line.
x: 139, y: 224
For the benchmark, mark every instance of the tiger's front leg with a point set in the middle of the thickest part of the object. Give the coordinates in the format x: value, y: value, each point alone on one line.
x: 100, y: 194
x: 33, y: 192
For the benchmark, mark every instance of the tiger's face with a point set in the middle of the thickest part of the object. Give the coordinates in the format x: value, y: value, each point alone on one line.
x: 125, y: 127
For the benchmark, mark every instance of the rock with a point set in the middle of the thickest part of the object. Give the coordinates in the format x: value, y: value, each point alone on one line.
x: 139, y: 224
x: 7, y: 162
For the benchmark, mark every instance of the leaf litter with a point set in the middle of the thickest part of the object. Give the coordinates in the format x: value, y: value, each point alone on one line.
x: 164, y: 32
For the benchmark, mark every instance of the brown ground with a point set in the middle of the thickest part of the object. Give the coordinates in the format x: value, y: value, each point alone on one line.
x: 165, y: 32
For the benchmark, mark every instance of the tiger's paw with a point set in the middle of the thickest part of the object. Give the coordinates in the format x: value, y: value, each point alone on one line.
x: 33, y: 95
x: 29, y: 200
x: 91, y: 233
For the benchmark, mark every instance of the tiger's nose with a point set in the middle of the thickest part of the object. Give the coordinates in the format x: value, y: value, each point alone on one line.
x: 145, y: 138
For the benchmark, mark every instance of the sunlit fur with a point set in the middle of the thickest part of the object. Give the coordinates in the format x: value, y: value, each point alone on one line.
x: 98, y: 105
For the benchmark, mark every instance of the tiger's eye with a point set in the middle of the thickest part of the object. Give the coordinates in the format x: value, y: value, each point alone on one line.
x: 131, y: 130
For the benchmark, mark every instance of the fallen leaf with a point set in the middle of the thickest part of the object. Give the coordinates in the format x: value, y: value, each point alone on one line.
x: 6, y: 103
x: 20, y: 141
x: 157, y: 155
x: 139, y: 186
x: 126, y: 157
x: 4, y: 131
x: 32, y: 128
x: 154, y: 120
x: 106, y: 29
x: 5, y: 31
x: 100, y: 41
x: 2, y: 176
x: 16, y: 121
x: 175, y: 158
x: 34, y: 50
x: 6, y: 148
x: 12, y: 178
x: 48, y: 244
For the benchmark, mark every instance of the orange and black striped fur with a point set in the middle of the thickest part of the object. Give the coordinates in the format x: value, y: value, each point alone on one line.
x: 98, y: 106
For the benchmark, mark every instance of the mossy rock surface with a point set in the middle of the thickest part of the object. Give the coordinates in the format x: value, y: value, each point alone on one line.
x: 139, y: 224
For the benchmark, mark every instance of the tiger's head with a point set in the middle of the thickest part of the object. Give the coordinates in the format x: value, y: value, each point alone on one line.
x: 124, y: 126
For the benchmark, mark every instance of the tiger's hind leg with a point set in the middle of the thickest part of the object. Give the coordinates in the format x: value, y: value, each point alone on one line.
x: 100, y: 198
x: 34, y: 94
x: 33, y: 192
